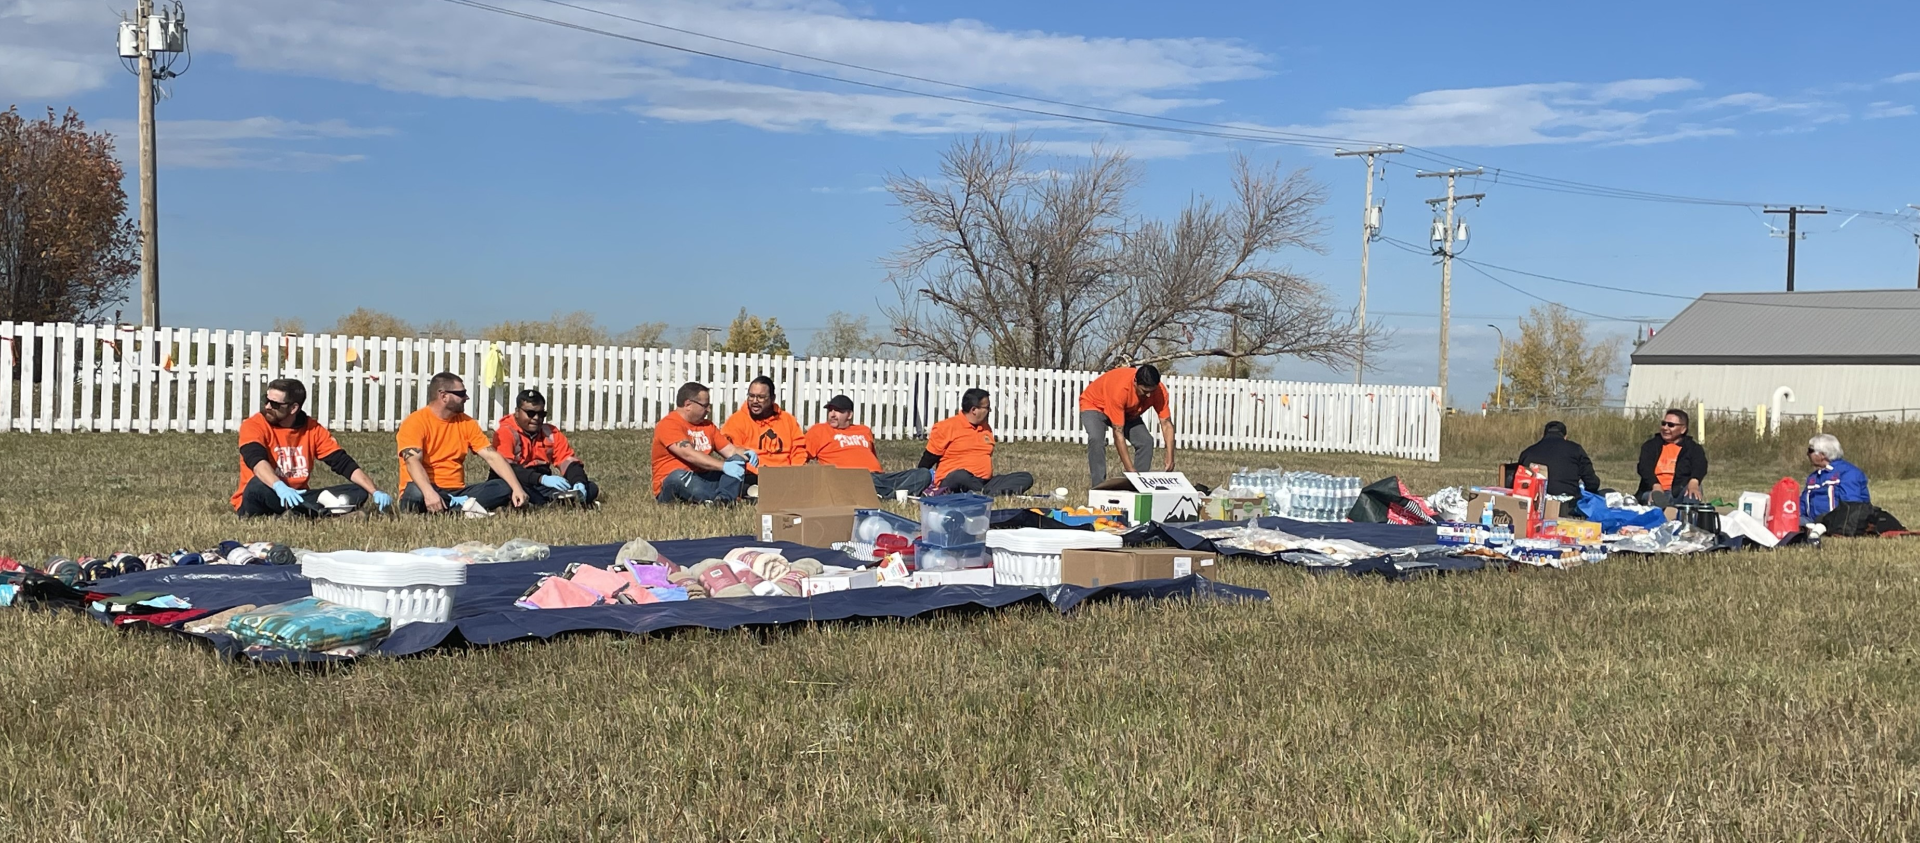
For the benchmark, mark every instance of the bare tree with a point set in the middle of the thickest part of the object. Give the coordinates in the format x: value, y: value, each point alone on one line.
x: 1045, y: 269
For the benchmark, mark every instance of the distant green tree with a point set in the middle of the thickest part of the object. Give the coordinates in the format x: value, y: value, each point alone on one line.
x: 1554, y: 363
x: 750, y: 335
x: 845, y: 335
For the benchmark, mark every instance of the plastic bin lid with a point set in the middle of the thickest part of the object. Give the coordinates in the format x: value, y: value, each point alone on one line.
x: 920, y: 546
x: 957, y: 499
x: 1038, y: 540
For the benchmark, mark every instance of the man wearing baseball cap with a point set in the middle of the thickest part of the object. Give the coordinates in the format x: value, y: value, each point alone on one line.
x: 839, y: 442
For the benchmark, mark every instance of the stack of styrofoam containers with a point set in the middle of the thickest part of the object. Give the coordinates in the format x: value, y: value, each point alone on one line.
x: 1030, y: 556
x: 953, y: 529
x: 401, y: 587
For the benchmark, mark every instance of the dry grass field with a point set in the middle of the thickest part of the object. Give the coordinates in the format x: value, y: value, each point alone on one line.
x: 1761, y: 696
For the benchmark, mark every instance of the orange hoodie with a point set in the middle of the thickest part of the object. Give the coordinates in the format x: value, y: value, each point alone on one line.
x: 776, y: 438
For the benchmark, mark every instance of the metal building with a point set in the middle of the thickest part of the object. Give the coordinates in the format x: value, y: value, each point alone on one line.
x: 1854, y: 352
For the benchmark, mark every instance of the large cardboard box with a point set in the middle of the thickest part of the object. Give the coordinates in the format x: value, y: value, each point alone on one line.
x: 1166, y: 497
x: 1107, y: 567
x: 1523, y: 514
x: 1235, y: 506
x: 812, y: 504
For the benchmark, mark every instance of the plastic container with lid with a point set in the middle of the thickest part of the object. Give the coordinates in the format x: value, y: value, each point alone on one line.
x: 401, y: 587
x: 870, y: 524
x: 953, y: 520
x: 956, y: 558
x: 1030, y: 556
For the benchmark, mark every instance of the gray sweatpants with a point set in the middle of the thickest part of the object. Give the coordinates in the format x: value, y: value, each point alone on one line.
x: 1099, y: 428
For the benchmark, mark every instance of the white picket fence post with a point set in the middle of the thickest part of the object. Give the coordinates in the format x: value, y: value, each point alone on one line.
x: 67, y: 377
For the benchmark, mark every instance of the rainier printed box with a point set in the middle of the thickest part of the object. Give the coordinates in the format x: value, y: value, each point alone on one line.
x: 812, y: 504
x: 1166, y: 497
x: 1234, y: 506
x: 1107, y: 567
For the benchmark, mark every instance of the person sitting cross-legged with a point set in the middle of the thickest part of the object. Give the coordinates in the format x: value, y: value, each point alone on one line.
x: 541, y: 456
x: 692, y: 460
x: 434, y: 443
x: 841, y: 443
x: 278, y: 447
x: 960, y: 451
x: 764, y: 426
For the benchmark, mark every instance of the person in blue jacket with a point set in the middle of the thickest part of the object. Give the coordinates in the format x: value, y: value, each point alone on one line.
x: 1834, y: 481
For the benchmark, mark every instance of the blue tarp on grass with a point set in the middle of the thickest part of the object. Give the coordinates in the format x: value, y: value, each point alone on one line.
x: 1428, y: 557
x: 484, y: 613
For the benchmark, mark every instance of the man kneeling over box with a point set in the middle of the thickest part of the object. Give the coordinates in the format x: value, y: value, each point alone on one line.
x: 1108, y: 567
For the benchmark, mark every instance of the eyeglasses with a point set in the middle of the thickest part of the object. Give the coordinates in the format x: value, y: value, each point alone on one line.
x: 288, y: 405
x: 701, y: 405
x: 1671, y: 424
x: 460, y: 392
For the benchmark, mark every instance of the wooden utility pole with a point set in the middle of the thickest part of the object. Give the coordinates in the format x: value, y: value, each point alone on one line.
x: 149, y: 188
x: 1369, y: 228
x: 1444, y: 238
x: 1916, y: 243
x: 1793, y: 233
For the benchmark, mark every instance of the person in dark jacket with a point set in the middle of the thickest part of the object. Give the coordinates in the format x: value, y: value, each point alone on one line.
x: 1672, y: 462
x: 1568, y: 467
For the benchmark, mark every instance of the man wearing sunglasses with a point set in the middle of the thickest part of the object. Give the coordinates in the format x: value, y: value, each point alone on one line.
x: 278, y: 447
x: 541, y: 455
x: 693, y: 460
x: 434, y: 443
x: 1672, y: 464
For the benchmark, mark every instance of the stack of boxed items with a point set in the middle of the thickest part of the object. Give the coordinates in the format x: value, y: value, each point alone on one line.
x: 952, y: 548
x: 1521, y: 523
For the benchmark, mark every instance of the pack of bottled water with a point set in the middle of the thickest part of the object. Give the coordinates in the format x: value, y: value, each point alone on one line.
x: 1301, y: 495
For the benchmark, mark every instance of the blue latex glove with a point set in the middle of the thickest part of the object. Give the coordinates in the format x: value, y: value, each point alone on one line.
x: 289, y: 496
x: 554, y: 482
x: 382, y: 500
x: 753, y: 459
x: 733, y: 469
x: 580, y: 488
x: 457, y: 501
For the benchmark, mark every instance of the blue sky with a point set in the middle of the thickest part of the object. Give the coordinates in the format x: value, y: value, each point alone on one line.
x: 443, y: 162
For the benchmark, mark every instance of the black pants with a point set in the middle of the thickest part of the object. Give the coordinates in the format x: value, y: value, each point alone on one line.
x: 493, y: 494
x: 259, y: 499
x: 538, y: 495
x: 999, y: 485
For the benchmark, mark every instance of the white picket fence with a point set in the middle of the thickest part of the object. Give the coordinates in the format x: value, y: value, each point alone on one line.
x: 65, y: 377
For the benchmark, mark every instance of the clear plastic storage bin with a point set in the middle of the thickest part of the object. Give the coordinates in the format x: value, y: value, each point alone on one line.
x: 954, y: 520
x: 956, y: 558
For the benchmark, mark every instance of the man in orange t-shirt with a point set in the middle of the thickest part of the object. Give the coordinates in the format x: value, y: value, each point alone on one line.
x: 278, y: 448
x: 839, y: 442
x: 769, y: 431
x: 960, y: 452
x: 1115, y: 402
x: 541, y: 455
x: 692, y: 460
x: 434, y: 443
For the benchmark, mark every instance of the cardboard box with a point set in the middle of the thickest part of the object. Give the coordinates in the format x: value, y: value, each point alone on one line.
x: 1576, y: 532
x: 846, y: 581
x: 1235, y: 506
x: 1524, y: 515
x: 1107, y: 567
x: 1166, y: 497
x: 812, y: 504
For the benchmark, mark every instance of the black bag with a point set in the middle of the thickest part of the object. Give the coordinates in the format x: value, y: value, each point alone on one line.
x: 1852, y: 518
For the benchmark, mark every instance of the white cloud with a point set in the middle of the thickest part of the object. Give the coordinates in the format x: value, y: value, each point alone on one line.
x: 1509, y: 115
x: 1903, y: 77
x: 1883, y: 110
x: 251, y: 143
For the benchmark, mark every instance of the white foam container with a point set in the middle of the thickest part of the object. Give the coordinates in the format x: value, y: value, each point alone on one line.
x: 1030, y: 556
x: 400, y: 587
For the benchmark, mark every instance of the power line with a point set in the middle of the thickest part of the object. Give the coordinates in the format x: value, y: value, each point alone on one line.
x: 1222, y: 131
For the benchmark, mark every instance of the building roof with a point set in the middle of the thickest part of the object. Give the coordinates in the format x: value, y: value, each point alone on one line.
x: 1829, y: 327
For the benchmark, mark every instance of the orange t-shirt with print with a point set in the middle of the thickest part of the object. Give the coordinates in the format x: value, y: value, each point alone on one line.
x: 444, y: 445
x: 294, y: 449
x: 673, y: 430
x: 849, y: 448
x: 776, y: 438
x: 961, y: 444
x: 1113, y: 394
x: 1663, y: 470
